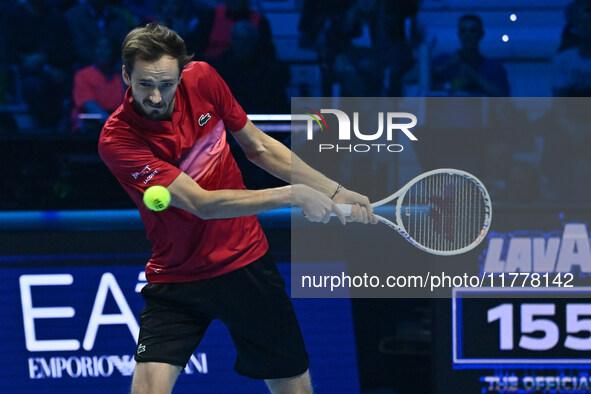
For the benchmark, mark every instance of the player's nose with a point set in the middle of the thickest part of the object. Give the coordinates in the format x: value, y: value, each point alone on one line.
x: 155, y: 97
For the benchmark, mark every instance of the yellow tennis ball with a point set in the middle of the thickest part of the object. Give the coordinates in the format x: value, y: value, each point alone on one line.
x: 157, y: 198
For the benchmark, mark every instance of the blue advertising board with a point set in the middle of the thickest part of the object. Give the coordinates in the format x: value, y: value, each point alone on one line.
x: 71, y: 326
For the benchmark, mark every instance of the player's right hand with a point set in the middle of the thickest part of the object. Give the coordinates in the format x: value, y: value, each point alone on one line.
x: 361, y: 209
x: 316, y: 206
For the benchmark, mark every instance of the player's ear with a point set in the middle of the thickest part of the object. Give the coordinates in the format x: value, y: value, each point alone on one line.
x: 125, y: 76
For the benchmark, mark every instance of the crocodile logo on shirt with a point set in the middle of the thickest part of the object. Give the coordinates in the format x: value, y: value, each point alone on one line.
x: 203, y: 119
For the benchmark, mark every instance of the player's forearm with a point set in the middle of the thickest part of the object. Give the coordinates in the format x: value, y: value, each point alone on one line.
x: 275, y: 158
x: 303, y: 173
x: 222, y: 204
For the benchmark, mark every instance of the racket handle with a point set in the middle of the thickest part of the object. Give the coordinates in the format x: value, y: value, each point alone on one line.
x: 346, y: 208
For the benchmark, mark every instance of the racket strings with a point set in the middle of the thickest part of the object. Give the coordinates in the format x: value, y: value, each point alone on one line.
x: 444, y: 211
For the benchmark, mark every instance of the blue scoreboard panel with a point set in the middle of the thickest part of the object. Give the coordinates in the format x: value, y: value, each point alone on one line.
x: 531, y: 333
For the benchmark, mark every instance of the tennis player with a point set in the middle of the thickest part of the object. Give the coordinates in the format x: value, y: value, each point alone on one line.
x: 210, y: 257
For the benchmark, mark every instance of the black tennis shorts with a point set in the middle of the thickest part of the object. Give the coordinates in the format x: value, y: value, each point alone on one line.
x: 250, y: 301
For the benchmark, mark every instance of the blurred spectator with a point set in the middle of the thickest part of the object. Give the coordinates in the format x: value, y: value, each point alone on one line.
x: 7, y: 122
x: 507, y: 179
x: 4, y: 6
x: 61, y: 6
x: 314, y: 17
x: 98, y: 88
x: 572, y: 67
x: 366, y: 50
x: 257, y: 79
x: 566, y: 163
x: 467, y: 71
x: 141, y: 9
x: 39, y: 42
x: 570, y: 34
x: 4, y: 70
x: 94, y: 18
x: 179, y: 15
x: 214, y: 31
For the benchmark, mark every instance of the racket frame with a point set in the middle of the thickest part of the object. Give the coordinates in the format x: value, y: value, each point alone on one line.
x: 399, y: 225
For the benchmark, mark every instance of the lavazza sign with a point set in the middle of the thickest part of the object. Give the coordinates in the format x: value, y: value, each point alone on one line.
x: 369, y: 141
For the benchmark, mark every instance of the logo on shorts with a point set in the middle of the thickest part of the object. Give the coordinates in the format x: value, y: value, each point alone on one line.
x: 141, y: 348
x: 203, y: 119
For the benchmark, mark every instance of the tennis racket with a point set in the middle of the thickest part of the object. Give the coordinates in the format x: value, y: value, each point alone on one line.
x: 443, y: 212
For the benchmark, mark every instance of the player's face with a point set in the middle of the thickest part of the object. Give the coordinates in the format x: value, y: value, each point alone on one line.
x: 153, y: 86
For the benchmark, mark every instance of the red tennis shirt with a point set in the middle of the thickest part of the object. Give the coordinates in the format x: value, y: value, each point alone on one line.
x: 141, y: 152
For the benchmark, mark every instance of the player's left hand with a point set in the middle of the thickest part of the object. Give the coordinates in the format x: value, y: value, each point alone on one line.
x: 361, y: 209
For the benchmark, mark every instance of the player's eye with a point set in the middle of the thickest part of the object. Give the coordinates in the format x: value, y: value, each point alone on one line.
x: 145, y: 84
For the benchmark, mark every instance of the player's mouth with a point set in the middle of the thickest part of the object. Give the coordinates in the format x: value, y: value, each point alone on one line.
x: 155, y: 106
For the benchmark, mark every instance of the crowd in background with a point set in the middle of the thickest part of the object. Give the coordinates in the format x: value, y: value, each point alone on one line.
x: 64, y: 55
x: 67, y: 58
